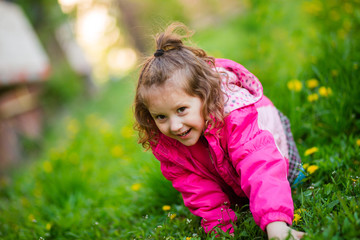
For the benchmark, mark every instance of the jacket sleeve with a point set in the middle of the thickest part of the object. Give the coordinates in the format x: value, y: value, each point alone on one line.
x: 261, y: 167
x: 202, y: 196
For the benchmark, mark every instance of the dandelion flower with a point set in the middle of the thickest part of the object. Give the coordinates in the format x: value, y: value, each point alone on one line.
x: 313, y: 8
x: 47, y: 167
x: 300, y: 210
x: 48, y: 226
x: 25, y: 202
x: 105, y: 127
x: 334, y: 73
x: 342, y: 33
x: 312, y: 83
x: 313, y: 97
x: 325, y: 92
x: 136, y: 187
x: 127, y: 132
x: 188, y: 238
x: 306, y: 165
x: 334, y: 15
x: 166, y: 208
x: 3, y: 182
x: 117, y: 151
x: 311, y: 169
x: 311, y: 151
x: 348, y: 8
x: 294, y: 85
x: 297, y: 218
x: 92, y: 120
x: 31, y: 218
x: 358, y: 142
x: 172, y: 216
x: 313, y: 59
x: 72, y: 127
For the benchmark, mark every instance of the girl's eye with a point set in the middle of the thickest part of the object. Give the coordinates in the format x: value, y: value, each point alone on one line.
x: 160, y: 117
x: 181, y: 110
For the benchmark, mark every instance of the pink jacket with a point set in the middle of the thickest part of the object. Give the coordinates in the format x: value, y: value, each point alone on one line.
x: 250, y: 158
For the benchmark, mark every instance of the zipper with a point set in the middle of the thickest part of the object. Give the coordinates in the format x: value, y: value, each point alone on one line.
x: 205, y: 173
x: 227, y: 169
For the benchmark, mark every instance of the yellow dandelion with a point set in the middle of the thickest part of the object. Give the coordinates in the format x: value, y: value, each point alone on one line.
x: 25, y: 202
x: 127, y: 132
x: 117, y: 151
x: 311, y: 151
x: 300, y: 210
x: 313, y: 97
x: 312, y: 83
x: 347, y: 24
x: 92, y: 120
x: 4, y: 182
x: 341, y: 33
x: 136, y: 187
x: 31, y: 218
x: 294, y: 85
x: 38, y: 191
x: 297, y: 218
x: 166, y: 208
x: 74, y: 158
x: 47, y: 167
x: 72, y: 126
x: 334, y: 73
x: 334, y: 15
x: 313, y: 58
x: 312, y: 168
x: 188, y: 238
x: 325, y: 92
x: 172, y: 216
x: 48, y: 226
x: 312, y: 7
x: 105, y: 127
x: 305, y: 166
x: 358, y: 142
x: 348, y: 8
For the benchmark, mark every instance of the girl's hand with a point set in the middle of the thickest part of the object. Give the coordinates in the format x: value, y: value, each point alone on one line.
x: 279, y: 230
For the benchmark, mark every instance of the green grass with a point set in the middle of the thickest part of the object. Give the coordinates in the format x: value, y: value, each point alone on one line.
x: 92, y: 181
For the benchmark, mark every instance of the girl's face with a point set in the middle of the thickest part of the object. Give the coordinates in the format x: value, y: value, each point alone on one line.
x: 177, y: 114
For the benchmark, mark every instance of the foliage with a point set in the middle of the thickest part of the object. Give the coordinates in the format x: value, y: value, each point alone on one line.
x: 94, y: 182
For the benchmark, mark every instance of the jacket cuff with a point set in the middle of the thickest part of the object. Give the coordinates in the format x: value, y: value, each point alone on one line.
x: 227, y: 227
x: 224, y: 223
x: 274, y: 217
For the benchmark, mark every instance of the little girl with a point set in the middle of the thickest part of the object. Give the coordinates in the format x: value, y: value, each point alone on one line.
x: 218, y: 138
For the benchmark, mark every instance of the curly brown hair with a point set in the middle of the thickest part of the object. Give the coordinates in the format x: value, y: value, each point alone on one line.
x: 200, y: 80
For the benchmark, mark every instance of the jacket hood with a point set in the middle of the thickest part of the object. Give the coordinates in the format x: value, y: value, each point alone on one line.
x: 241, y: 87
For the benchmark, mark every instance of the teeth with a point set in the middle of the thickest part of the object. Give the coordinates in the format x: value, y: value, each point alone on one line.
x: 183, y: 134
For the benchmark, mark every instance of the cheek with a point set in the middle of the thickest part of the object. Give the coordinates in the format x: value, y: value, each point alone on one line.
x: 162, y: 128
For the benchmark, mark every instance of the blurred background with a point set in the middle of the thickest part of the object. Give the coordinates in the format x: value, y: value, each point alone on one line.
x: 70, y: 165
x: 53, y: 51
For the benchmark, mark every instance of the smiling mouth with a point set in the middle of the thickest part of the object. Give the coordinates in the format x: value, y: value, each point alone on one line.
x: 185, y: 133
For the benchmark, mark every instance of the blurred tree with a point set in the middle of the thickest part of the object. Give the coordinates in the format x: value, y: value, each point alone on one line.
x: 129, y: 19
x: 138, y: 18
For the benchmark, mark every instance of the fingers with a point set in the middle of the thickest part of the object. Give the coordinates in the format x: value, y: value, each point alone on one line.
x: 297, y: 234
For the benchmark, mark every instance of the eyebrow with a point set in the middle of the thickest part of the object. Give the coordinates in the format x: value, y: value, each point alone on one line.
x: 155, y: 113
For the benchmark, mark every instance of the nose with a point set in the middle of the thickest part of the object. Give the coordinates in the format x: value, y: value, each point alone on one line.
x: 175, y: 125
